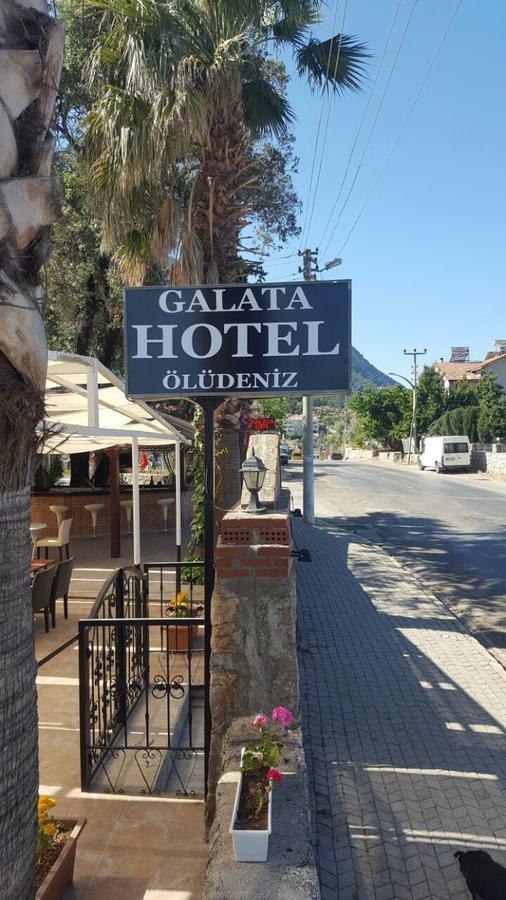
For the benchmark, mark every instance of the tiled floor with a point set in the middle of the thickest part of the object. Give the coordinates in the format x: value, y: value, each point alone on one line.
x: 404, y: 718
x: 93, y: 563
x: 133, y: 848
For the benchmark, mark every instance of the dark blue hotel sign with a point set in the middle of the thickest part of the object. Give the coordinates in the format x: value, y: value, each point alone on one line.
x: 251, y: 340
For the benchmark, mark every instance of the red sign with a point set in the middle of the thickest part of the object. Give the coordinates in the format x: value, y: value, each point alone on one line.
x: 265, y: 424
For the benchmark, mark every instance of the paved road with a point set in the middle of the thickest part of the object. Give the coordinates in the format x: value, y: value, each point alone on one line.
x: 449, y: 529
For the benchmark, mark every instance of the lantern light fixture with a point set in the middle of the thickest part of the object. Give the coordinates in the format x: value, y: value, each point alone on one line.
x: 253, y: 472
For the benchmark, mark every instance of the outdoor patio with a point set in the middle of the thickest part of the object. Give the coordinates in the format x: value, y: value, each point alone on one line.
x: 93, y: 562
x: 133, y: 847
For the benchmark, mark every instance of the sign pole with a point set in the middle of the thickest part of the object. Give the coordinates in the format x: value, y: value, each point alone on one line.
x: 209, y: 405
x: 307, y: 420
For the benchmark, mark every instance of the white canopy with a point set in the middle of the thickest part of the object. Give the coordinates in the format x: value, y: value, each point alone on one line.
x: 87, y: 409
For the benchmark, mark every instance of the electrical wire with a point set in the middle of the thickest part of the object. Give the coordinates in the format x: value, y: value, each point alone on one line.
x: 359, y: 130
x: 373, y: 126
x: 329, y: 110
x: 404, y: 124
x: 288, y: 256
x: 303, y: 232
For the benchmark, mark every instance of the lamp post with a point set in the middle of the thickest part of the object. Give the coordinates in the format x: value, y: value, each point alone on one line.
x: 253, y: 471
x: 412, y: 434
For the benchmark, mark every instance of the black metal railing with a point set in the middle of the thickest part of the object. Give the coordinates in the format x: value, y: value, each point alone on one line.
x: 142, y: 684
x: 164, y: 581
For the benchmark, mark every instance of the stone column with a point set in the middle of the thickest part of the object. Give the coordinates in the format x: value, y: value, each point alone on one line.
x: 254, y: 663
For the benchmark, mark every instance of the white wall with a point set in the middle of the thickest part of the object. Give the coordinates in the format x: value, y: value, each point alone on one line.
x: 499, y: 370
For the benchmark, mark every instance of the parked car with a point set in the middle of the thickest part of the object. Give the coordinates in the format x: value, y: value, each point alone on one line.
x: 442, y: 452
x: 284, y: 453
x: 296, y: 456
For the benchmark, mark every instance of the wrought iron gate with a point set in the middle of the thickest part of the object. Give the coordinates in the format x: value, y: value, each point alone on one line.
x: 142, y: 683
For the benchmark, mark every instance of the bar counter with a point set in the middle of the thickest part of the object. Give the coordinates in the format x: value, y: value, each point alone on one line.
x: 77, y: 498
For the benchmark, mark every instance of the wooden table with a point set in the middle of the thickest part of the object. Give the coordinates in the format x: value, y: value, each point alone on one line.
x: 37, y: 564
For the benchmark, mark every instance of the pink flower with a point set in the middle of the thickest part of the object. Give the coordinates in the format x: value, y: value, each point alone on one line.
x: 259, y: 721
x: 282, y: 715
x: 274, y: 775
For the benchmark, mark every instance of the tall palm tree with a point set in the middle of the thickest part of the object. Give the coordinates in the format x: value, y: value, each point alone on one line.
x: 183, y: 88
x: 31, y: 54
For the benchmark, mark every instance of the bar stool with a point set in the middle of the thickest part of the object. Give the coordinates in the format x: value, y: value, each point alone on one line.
x: 127, y: 506
x: 94, y: 509
x: 164, y: 506
x: 59, y: 512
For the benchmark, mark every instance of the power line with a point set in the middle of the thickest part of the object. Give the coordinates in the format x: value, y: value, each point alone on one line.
x: 404, y: 125
x: 322, y: 155
x: 375, y: 120
x: 371, y: 94
x: 319, y: 126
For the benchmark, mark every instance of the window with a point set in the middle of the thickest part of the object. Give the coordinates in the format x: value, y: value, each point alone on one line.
x: 461, y: 447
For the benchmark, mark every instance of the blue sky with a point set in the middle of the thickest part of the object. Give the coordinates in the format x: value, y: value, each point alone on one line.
x: 428, y: 257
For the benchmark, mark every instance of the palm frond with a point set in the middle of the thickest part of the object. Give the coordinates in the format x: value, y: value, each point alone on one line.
x: 337, y: 63
x: 266, y: 111
x: 288, y: 22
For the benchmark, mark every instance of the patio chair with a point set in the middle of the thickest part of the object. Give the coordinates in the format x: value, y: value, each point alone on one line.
x: 61, y: 587
x: 42, y: 586
x: 61, y: 541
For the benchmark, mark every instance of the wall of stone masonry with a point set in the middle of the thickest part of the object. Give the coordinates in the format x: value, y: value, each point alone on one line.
x: 492, y: 462
x: 266, y: 447
x: 359, y: 453
x: 253, y: 663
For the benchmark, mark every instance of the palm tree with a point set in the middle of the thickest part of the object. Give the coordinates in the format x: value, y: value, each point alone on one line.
x: 31, y: 54
x: 183, y: 88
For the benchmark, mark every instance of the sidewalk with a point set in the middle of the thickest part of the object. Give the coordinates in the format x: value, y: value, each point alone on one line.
x: 403, y: 716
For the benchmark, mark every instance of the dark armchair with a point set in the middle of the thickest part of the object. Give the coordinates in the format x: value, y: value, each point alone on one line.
x: 42, y: 588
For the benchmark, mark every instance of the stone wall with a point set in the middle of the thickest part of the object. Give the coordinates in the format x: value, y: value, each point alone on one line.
x: 266, y: 447
x: 359, y: 453
x: 290, y: 871
x: 253, y: 663
x: 492, y: 462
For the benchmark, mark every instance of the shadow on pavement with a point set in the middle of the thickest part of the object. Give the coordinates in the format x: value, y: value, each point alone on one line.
x: 467, y: 570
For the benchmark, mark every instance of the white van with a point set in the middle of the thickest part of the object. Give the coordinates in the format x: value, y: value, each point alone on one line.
x: 449, y: 451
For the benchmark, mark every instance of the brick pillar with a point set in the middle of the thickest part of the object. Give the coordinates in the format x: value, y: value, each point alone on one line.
x: 254, y: 662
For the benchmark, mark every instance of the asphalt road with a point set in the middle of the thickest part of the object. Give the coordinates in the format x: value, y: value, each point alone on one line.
x: 449, y: 528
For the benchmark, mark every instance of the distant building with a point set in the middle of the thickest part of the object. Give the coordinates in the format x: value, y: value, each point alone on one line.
x: 461, y: 367
x: 294, y: 425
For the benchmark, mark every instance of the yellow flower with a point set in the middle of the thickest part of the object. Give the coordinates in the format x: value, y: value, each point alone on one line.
x: 44, y: 805
x: 49, y: 829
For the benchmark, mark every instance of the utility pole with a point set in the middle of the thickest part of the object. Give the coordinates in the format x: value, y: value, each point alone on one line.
x: 412, y: 434
x: 308, y: 273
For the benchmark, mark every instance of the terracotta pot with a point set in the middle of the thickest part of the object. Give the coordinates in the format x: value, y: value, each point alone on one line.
x: 62, y: 871
x: 178, y: 636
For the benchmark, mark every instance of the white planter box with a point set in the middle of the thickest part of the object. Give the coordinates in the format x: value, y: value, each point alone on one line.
x: 250, y: 846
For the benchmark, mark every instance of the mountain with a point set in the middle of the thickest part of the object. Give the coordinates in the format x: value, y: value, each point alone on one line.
x: 364, y: 374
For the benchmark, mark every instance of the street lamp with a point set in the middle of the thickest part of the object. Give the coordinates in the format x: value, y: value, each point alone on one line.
x: 331, y: 264
x: 413, y: 441
x: 253, y: 472
x: 396, y: 375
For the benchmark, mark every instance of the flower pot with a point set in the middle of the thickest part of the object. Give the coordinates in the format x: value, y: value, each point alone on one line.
x: 250, y: 846
x: 179, y: 636
x: 62, y: 871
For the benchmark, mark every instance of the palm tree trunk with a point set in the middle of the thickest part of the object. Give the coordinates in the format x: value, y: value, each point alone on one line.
x: 31, y: 54
x: 219, y: 210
